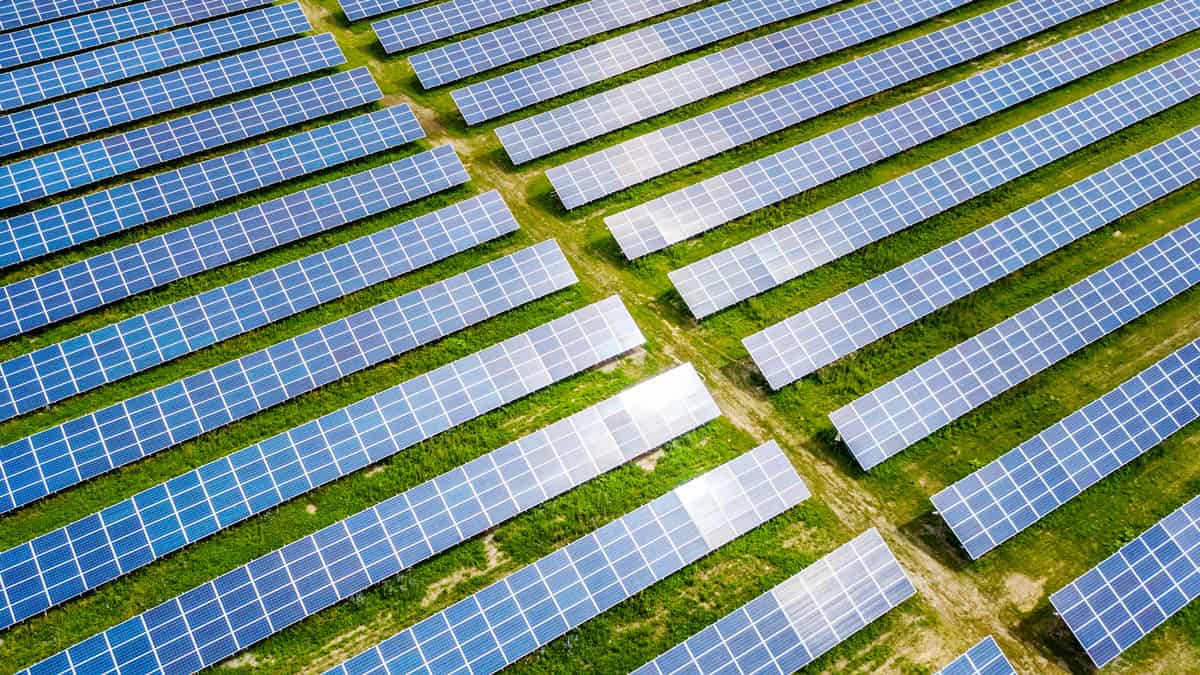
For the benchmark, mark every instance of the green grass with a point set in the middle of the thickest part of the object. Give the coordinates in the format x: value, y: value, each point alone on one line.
x: 1004, y: 594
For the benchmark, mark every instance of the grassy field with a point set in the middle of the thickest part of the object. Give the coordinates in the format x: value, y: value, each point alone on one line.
x: 1005, y: 594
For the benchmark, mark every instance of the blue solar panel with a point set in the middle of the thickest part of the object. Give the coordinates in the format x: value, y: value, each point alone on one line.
x: 347, y: 557
x: 456, y: 16
x: 993, y: 504
x: 71, y: 74
x: 527, y: 609
x: 171, y: 515
x: 720, y: 71
x: 100, y: 28
x: 984, y: 658
x: 792, y: 624
x: 1136, y: 589
x: 788, y: 172
x: 17, y: 13
x: 621, y: 54
x: 360, y: 9
x: 87, y: 163
x: 513, y: 43
x: 106, y: 108
x: 128, y: 205
x: 889, y: 419
x: 107, y: 277
x: 818, y: 336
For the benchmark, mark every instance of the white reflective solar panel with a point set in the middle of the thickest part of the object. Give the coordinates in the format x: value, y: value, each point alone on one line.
x: 17, y: 13
x: 452, y: 18
x: 263, y: 596
x: 984, y: 658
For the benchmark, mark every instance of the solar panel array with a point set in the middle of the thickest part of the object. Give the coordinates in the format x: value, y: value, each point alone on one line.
x: 452, y: 18
x: 171, y: 515
x: 106, y: 108
x: 347, y: 557
x: 532, y: 36
x: 621, y: 54
x: 722, y: 70
x: 792, y: 624
x: 775, y: 257
x: 985, y: 658
x: 118, y: 350
x: 47, y: 41
x: 1132, y: 592
x: 887, y: 420
x: 120, y: 273
x: 71, y: 74
x: 72, y: 222
x: 837, y: 327
x: 360, y: 9
x: 996, y: 502
x: 17, y: 13
x: 532, y: 606
x: 734, y: 193
x: 93, y: 161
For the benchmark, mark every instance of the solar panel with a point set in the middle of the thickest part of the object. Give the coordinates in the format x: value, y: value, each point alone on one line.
x: 360, y: 9
x: 513, y: 43
x: 132, y: 345
x: 788, y: 172
x: 17, y: 13
x: 93, y: 161
x: 708, y: 75
x: 456, y: 16
x: 621, y: 54
x: 775, y: 257
x: 347, y: 557
x: 71, y: 74
x: 1136, y: 589
x: 985, y: 658
x: 993, y: 504
x: 72, y: 222
x: 120, y: 273
x: 792, y: 624
x: 532, y: 606
x: 106, y: 108
x: 889, y: 419
x: 824, y: 333
x: 100, y: 28
x: 338, y: 442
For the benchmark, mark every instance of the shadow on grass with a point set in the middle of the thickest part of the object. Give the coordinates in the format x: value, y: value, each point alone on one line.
x: 1044, y: 630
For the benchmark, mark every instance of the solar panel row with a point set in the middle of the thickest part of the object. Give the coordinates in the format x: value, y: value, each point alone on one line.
x: 995, y: 503
x: 106, y: 108
x: 720, y: 71
x: 985, y: 658
x: 17, y: 13
x: 276, y: 590
x: 734, y: 193
x: 1132, y: 592
x: 621, y: 54
x: 71, y: 74
x: 824, y: 333
x: 239, y: 388
x: 536, y: 604
x: 93, y: 161
x: 775, y: 257
x: 360, y: 9
x: 146, y: 340
x: 532, y: 36
x: 104, y: 278
x: 455, y: 16
x: 171, y: 515
x: 887, y: 420
x: 72, y: 222
x: 93, y: 30
x: 792, y: 624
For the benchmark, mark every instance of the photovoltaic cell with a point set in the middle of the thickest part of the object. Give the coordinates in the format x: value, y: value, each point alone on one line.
x: 17, y: 13
x: 532, y: 36
x: 536, y: 604
x: 347, y: 557
x: 889, y: 419
x: 71, y: 74
x: 993, y: 504
x: 773, y: 258
x: 734, y: 193
x: 985, y: 658
x: 455, y: 16
x: 106, y: 108
x: 113, y: 275
x: 360, y: 9
x: 720, y: 71
x: 792, y: 624
x: 820, y: 335
x: 621, y: 54
x: 93, y: 161
x: 72, y: 222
